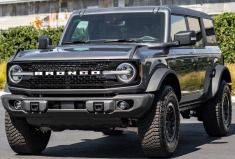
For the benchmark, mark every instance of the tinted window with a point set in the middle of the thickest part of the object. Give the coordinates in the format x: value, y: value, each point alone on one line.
x: 144, y: 27
x: 210, y: 32
x: 194, y: 25
x: 177, y: 24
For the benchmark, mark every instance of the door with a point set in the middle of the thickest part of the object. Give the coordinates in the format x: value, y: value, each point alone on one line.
x: 202, y: 63
x: 208, y: 55
x: 183, y: 61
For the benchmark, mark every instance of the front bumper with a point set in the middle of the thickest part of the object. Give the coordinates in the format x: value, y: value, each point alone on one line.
x: 140, y: 104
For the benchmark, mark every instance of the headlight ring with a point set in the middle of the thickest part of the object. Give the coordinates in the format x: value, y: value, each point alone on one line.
x: 126, y: 78
x: 12, y: 74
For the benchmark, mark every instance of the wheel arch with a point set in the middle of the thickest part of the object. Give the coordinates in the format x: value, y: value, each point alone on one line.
x: 161, y: 77
x: 221, y: 73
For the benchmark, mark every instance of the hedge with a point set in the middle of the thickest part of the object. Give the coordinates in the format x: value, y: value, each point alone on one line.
x: 24, y: 37
x: 225, y: 31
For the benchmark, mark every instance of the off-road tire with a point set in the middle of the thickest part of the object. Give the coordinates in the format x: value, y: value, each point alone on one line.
x: 23, y: 138
x: 214, y: 120
x: 152, y: 128
x: 112, y: 132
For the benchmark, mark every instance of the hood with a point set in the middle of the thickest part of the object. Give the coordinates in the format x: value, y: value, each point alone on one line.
x: 78, y: 52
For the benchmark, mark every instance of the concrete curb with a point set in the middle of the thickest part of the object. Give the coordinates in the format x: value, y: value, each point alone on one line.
x: 2, y: 93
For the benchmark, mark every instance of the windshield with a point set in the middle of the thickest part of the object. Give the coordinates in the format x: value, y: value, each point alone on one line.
x: 119, y: 27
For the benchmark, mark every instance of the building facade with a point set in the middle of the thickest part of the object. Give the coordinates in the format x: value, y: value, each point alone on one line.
x: 56, y: 12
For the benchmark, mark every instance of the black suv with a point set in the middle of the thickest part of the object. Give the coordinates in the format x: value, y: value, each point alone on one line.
x: 116, y: 68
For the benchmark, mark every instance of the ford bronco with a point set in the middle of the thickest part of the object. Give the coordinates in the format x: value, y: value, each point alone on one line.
x: 117, y: 68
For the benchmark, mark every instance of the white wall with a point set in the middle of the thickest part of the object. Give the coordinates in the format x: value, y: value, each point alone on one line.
x: 8, y: 21
x: 50, y: 20
x: 215, y: 8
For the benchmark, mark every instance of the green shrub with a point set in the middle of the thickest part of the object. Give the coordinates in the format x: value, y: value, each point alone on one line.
x: 2, y: 74
x: 231, y: 68
x: 53, y: 33
x: 24, y: 37
x: 225, y: 31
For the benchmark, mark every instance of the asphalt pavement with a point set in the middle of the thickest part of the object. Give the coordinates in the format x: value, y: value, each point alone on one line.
x: 194, y: 144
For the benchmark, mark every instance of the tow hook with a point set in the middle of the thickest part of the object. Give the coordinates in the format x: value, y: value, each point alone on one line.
x: 35, y: 106
x: 100, y: 106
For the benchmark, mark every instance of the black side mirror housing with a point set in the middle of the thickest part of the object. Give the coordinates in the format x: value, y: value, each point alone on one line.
x: 44, y: 42
x: 185, y: 38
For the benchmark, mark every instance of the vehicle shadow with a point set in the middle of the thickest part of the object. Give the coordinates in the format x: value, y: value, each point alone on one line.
x: 127, y: 146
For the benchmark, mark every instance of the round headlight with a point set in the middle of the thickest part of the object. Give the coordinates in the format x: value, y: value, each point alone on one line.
x: 130, y: 72
x: 13, y: 76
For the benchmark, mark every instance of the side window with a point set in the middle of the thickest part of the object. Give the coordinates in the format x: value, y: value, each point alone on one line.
x: 177, y: 24
x: 210, y: 32
x: 194, y: 25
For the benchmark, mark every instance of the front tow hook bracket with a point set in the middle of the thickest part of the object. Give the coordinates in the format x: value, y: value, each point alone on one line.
x: 35, y: 106
x: 100, y: 106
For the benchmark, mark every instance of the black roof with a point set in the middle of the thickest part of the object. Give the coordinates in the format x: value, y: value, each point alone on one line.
x: 186, y: 11
x: 172, y: 9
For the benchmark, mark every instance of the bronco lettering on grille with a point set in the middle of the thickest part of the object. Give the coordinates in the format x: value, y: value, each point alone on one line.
x: 69, y: 73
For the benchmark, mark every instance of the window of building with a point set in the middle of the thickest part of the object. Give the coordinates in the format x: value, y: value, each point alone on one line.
x: 54, y: 7
x: 90, y: 3
x: 106, y: 3
x: 210, y: 32
x: 129, y: 2
x: 180, y: 2
x: 70, y: 5
x: 42, y: 7
x: 31, y: 8
x: 6, y: 10
x: 77, y: 4
x: 64, y: 6
x: 177, y: 24
x: 37, y: 7
x: 13, y: 11
x: 215, y: 1
x: 194, y: 25
x: 21, y: 9
x: 1, y: 10
x: 115, y: 3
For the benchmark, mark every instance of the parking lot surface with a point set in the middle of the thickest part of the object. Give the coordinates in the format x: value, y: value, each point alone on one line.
x: 194, y: 144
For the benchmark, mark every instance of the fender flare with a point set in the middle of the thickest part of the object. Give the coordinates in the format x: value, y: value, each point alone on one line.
x: 159, y: 76
x: 220, y: 72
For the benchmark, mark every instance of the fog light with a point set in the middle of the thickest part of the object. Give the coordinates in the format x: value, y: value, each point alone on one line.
x: 123, y: 105
x: 18, y: 104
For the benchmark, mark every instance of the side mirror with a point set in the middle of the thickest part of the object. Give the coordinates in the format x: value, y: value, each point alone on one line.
x: 185, y: 38
x: 44, y: 42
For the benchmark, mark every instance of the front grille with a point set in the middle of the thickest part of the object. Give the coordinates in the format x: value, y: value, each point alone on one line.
x: 72, y: 82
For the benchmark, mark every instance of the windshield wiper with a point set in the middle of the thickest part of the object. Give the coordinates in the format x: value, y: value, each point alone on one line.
x: 76, y: 42
x: 102, y: 41
x: 121, y: 40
